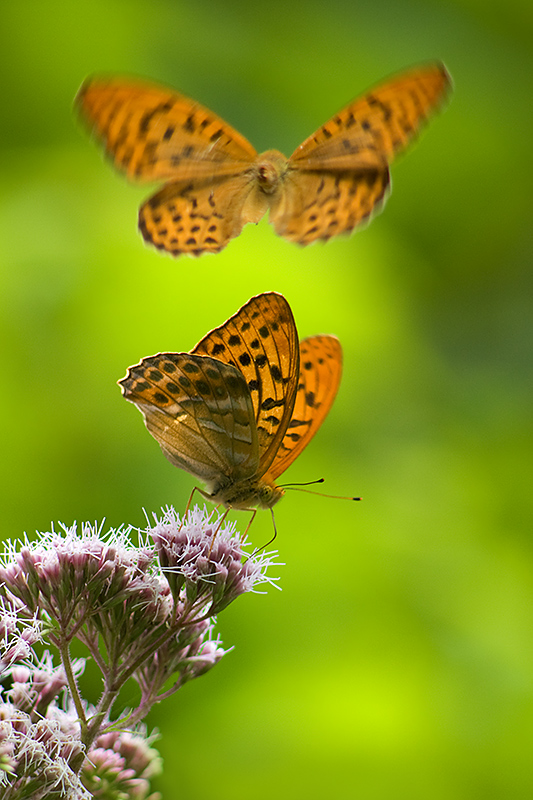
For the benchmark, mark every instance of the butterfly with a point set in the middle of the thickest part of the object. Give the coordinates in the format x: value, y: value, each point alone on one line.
x: 238, y: 408
x: 216, y: 182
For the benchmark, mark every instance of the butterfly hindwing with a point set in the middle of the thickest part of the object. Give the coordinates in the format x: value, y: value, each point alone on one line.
x: 195, y: 216
x: 319, y: 205
x: 199, y: 410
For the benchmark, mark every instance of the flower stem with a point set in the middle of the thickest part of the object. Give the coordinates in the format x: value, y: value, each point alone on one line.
x: 64, y: 651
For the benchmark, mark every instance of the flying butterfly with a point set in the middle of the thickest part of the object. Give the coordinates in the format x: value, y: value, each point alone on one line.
x: 216, y: 182
x: 238, y: 408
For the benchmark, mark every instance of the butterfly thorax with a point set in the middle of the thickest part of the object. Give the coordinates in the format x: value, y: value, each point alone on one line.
x: 266, y: 177
x: 247, y: 494
x: 270, y: 167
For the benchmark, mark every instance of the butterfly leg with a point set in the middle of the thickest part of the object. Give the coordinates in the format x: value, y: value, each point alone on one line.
x: 254, y: 512
x: 187, y: 507
x: 258, y: 549
x: 275, y: 530
x: 221, y: 520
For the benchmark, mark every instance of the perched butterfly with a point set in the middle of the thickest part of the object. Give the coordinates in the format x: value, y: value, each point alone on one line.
x: 239, y: 408
x: 215, y: 181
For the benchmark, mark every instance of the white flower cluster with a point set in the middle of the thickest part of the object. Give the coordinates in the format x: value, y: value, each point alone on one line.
x: 143, y: 611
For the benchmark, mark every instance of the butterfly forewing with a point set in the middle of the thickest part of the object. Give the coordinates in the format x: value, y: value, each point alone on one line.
x: 154, y: 133
x: 262, y: 342
x: 320, y: 375
x: 199, y: 410
x: 378, y: 125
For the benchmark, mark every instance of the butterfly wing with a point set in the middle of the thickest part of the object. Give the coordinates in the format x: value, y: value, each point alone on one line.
x: 200, y: 412
x: 375, y: 128
x: 262, y: 342
x: 319, y: 205
x: 154, y: 133
x: 320, y: 374
x: 196, y: 216
x: 340, y: 174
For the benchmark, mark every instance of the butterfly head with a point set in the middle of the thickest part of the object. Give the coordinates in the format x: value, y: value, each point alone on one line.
x: 270, y: 168
x: 247, y: 494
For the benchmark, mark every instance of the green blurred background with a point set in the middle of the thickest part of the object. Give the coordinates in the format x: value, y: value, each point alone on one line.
x: 397, y: 660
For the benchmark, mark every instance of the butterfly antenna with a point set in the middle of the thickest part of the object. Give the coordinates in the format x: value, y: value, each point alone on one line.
x: 307, y: 483
x: 297, y: 487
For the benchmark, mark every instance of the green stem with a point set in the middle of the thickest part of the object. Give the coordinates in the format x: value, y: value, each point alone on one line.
x: 64, y: 652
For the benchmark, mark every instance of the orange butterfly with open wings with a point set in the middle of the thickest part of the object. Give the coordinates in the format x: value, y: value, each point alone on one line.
x: 241, y: 406
x: 215, y: 181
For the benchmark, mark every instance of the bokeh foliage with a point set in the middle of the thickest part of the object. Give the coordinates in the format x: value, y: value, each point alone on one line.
x: 397, y: 661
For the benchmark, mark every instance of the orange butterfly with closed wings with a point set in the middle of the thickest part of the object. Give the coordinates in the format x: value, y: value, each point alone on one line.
x: 240, y: 406
x: 215, y: 181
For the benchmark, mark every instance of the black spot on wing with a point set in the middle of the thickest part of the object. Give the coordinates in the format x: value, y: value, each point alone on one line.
x: 189, y: 124
x: 270, y: 402
x: 190, y: 367
x: 202, y: 387
x: 161, y: 399
x: 295, y: 423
